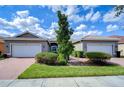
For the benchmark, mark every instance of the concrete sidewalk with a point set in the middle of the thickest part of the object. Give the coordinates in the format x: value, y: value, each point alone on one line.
x: 101, y: 81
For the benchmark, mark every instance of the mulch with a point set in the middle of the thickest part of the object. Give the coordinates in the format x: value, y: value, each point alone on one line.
x: 85, y: 62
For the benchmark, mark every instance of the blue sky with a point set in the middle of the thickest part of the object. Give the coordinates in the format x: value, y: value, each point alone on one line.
x: 42, y: 20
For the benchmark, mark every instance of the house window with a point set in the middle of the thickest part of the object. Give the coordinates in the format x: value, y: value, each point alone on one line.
x: 54, y: 48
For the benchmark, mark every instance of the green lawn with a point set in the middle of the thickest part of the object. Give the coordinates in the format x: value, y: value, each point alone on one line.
x: 1, y: 58
x: 45, y: 71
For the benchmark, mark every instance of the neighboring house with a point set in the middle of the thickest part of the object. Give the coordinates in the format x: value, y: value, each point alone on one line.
x: 26, y: 44
x: 120, y: 44
x: 97, y: 44
x: 2, y: 47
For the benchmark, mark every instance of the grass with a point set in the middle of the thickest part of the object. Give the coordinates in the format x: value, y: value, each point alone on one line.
x: 45, y: 71
x: 1, y: 58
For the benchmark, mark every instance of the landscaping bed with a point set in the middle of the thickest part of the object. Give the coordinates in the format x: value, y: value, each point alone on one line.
x: 2, y: 56
x: 46, y: 71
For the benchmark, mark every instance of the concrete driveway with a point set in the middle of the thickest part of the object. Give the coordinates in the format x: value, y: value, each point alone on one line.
x: 119, y: 61
x: 12, y: 67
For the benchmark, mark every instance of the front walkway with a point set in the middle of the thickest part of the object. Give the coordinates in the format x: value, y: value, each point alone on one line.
x: 12, y: 67
x: 101, y: 81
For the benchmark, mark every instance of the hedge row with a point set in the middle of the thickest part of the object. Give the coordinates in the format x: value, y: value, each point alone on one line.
x: 51, y: 58
x: 97, y: 56
x: 46, y: 58
x: 3, y: 55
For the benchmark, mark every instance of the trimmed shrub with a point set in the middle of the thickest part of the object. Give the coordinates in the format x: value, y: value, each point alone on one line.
x: 78, y: 54
x: 3, y: 56
x: 46, y: 58
x: 97, y: 56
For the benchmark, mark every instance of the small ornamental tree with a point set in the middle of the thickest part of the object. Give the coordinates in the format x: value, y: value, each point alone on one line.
x: 65, y: 46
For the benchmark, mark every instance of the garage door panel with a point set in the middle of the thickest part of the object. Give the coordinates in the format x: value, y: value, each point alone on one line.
x: 99, y: 48
x: 25, y: 50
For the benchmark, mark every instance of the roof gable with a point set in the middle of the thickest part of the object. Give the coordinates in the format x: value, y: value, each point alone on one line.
x: 27, y: 35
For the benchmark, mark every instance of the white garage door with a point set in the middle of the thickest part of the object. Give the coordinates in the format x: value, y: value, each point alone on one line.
x: 99, y: 48
x: 25, y: 50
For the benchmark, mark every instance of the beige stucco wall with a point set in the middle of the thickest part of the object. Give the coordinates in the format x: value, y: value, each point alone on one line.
x: 78, y: 46
x: 8, y: 44
x: 121, y: 48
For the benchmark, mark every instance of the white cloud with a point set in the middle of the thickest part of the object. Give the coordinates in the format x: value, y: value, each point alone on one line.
x: 91, y: 16
x: 51, y: 30
x: 77, y: 35
x: 55, y: 8
x: 81, y: 27
x: 4, y: 24
x: 54, y: 25
x: 6, y: 33
x: 71, y: 11
x: 96, y: 16
x: 23, y: 22
x: 110, y: 17
x: 23, y: 13
x: 87, y: 7
x: 112, y: 28
x: 76, y: 18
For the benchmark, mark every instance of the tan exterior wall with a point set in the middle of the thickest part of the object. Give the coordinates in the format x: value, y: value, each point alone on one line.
x: 8, y: 44
x: 121, y: 48
x: 78, y: 46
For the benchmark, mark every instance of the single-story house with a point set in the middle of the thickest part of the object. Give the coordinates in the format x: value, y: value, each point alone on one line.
x: 120, y: 44
x: 2, y: 48
x: 25, y: 44
x: 97, y: 44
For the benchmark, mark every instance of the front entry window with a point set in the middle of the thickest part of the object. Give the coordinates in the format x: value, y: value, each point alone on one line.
x: 54, y: 48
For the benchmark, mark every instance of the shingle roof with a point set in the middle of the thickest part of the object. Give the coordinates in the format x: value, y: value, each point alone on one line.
x: 97, y: 38
x: 120, y: 37
x: 23, y: 38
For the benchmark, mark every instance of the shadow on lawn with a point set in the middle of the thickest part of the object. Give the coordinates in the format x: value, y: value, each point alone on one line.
x: 74, y: 62
x: 104, y: 64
